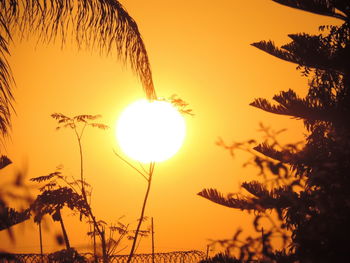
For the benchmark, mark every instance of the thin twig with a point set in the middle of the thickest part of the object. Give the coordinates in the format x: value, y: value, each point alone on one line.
x: 132, y: 166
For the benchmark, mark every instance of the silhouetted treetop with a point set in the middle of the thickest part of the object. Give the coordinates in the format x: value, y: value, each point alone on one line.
x: 306, y: 186
x: 327, y: 56
x: 53, y: 200
x: 334, y: 8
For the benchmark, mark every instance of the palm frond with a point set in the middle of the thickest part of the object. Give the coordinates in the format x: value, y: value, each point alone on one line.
x: 102, y: 24
x: 6, y: 80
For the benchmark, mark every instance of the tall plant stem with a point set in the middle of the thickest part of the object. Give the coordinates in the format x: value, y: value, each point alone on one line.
x: 149, y: 181
x: 96, y: 226
x: 65, y: 236
x: 41, y: 242
x: 152, y: 228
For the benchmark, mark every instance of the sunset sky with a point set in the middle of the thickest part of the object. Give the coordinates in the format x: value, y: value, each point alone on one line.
x: 199, y: 50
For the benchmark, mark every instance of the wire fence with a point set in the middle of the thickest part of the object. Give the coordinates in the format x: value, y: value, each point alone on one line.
x: 193, y: 256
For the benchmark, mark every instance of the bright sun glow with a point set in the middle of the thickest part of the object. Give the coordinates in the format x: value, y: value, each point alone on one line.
x: 150, y: 131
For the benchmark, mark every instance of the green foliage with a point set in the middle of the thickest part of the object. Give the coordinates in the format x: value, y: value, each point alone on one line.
x: 304, y: 185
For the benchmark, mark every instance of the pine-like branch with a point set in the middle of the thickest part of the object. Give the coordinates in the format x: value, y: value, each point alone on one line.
x: 320, y: 7
x: 217, y: 197
x: 291, y: 105
x: 270, y: 48
x: 267, y: 150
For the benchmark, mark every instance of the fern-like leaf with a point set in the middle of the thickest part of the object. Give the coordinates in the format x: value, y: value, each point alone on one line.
x: 44, y: 178
x: 100, y: 126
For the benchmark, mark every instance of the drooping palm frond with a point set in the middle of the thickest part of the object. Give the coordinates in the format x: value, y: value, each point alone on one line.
x: 104, y: 24
x: 321, y: 7
x: 6, y: 80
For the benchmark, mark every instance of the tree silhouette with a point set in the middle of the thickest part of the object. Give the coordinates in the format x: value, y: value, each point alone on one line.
x: 78, y: 124
x: 311, y: 191
x: 104, y: 24
x: 54, y: 198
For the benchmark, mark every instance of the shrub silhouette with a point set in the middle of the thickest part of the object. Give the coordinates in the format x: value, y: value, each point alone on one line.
x: 54, y: 198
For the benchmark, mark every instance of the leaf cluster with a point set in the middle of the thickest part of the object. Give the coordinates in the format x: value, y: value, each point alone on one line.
x: 8, y: 191
x: 180, y: 104
x: 54, y: 197
x: 305, y: 185
x: 64, y: 121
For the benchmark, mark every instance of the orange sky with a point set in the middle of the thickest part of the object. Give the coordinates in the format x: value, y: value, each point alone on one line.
x: 198, y: 50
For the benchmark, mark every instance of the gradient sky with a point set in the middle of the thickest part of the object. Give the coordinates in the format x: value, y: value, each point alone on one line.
x: 199, y: 50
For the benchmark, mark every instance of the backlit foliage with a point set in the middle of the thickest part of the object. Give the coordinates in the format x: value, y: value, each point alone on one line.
x: 305, y: 185
x: 102, y: 24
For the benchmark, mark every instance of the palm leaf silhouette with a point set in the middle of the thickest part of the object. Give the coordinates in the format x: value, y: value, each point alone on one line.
x: 104, y: 24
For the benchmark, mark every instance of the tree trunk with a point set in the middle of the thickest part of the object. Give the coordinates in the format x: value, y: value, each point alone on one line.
x: 65, y: 236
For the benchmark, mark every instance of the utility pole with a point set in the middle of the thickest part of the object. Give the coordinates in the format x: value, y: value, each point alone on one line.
x: 152, y: 229
x: 41, y: 242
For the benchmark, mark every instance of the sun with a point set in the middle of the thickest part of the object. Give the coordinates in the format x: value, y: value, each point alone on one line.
x: 150, y: 131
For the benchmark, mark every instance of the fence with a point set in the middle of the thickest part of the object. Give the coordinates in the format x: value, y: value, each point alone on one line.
x: 193, y: 256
